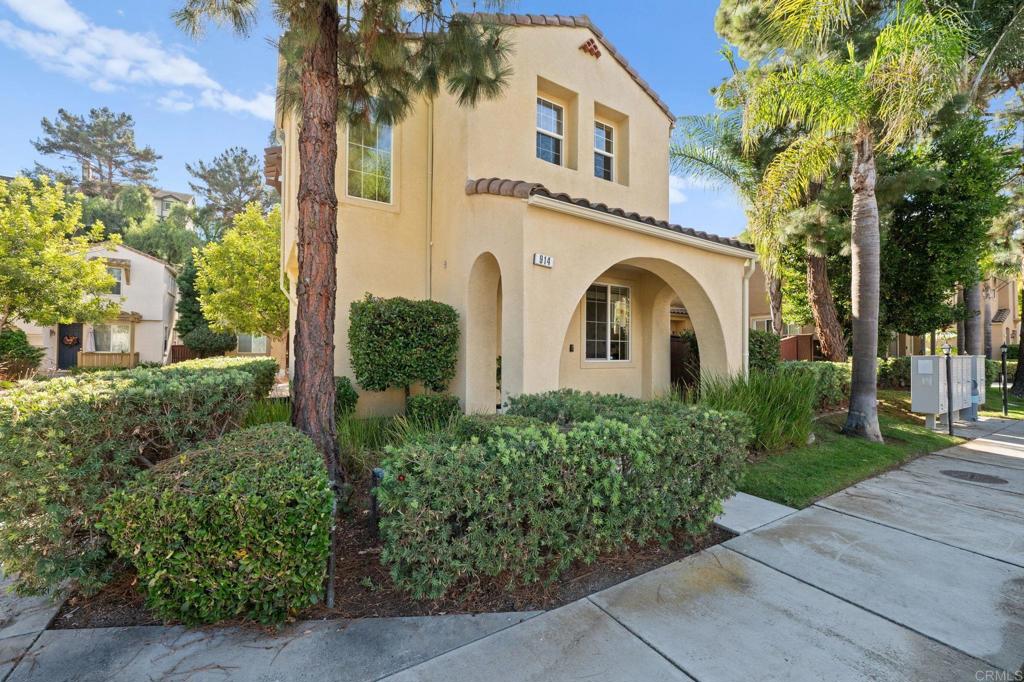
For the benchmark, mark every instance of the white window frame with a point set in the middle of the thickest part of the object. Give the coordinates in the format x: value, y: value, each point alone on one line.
x: 391, y: 168
x: 608, y: 337
x: 252, y: 340
x: 119, y: 277
x: 608, y: 155
x: 111, y: 325
x: 553, y: 135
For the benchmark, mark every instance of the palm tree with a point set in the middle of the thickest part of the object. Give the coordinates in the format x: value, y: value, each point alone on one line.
x: 865, y: 102
x: 370, y: 61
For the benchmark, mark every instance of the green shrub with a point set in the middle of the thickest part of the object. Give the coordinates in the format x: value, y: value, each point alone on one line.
x: 528, y: 501
x: 268, y: 411
x: 568, y: 406
x: 832, y: 380
x: 65, y: 444
x: 396, y: 342
x: 780, y: 405
x: 18, y: 358
x: 432, y: 408
x: 345, y: 396
x: 1012, y: 351
x: 482, y: 426
x: 993, y: 368
x: 764, y: 350
x: 262, y: 370
x: 238, y: 528
x: 894, y: 373
x: 207, y: 343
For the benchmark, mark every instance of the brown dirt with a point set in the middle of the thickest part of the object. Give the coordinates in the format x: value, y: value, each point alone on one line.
x: 364, y: 589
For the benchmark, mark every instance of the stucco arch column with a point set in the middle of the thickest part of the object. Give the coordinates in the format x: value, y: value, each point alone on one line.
x: 480, y: 329
x: 657, y: 349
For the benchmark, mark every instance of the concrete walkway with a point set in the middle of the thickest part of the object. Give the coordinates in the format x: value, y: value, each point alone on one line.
x: 915, y: 574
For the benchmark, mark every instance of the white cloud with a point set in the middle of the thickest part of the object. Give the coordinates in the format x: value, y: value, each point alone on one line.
x: 676, y: 185
x: 61, y: 39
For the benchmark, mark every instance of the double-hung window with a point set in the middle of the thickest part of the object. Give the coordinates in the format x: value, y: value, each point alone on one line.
x: 112, y: 338
x: 249, y: 343
x: 550, y: 131
x: 118, y: 275
x: 608, y: 322
x: 604, y: 151
x: 370, y: 162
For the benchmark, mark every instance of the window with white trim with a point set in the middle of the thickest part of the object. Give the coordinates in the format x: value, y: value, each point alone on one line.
x: 607, y: 322
x: 550, y: 131
x: 118, y: 275
x: 112, y: 338
x: 370, y: 162
x: 248, y: 343
x: 604, y: 151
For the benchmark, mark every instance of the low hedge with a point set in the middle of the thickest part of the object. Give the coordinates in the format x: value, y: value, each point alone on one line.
x: 238, y: 528
x: 262, y: 370
x: 529, y: 500
x: 832, y: 380
x: 432, y: 408
x: 894, y: 373
x: 65, y: 444
x: 480, y: 427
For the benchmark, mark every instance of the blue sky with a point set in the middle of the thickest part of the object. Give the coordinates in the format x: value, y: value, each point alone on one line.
x: 192, y: 99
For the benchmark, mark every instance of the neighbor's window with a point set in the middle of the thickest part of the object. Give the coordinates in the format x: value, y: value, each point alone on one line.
x: 112, y: 338
x: 118, y: 275
x: 370, y: 162
x: 604, y: 151
x: 247, y: 343
x: 608, y: 314
x: 550, y: 124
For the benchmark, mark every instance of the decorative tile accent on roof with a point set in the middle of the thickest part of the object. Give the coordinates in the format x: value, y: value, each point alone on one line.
x: 521, y: 189
x: 592, y: 48
x: 1001, y: 315
x: 579, y: 21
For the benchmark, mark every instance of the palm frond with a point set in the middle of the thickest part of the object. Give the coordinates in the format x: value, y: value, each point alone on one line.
x: 800, y: 22
x: 1006, y: 50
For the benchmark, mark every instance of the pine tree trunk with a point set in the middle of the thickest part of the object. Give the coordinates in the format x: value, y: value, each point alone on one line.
x: 823, y: 307
x: 313, y: 384
x: 973, y: 340
x: 862, y: 418
x: 775, y: 303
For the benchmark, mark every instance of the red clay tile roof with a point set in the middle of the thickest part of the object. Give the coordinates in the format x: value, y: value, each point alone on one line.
x: 521, y: 189
x: 579, y: 21
x: 1001, y: 315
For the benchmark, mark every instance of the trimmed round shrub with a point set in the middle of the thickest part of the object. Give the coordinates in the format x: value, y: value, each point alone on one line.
x: 65, y: 444
x: 18, y: 358
x: 482, y: 426
x: 432, y: 408
x: 345, y: 396
x: 764, y: 350
x: 207, y: 343
x: 262, y: 370
x: 238, y: 528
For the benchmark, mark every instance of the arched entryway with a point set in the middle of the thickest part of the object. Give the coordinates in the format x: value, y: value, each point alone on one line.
x: 483, y: 335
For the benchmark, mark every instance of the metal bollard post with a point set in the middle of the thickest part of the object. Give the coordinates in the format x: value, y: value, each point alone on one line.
x: 949, y: 386
x: 1006, y: 402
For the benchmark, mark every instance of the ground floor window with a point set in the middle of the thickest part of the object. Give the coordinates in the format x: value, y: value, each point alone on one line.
x: 112, y: 338
x: 248, y: 343
x: 607, y: 321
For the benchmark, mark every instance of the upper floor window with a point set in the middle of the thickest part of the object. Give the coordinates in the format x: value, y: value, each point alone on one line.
x: 249, y: 343
x: 607, y: 319
x: 118, y: 275
x: 550, y: 127
x: 370, y: 162
x: 604, y: 151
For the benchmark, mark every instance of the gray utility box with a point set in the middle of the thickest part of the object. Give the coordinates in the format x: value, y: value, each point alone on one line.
x: 928, y: 395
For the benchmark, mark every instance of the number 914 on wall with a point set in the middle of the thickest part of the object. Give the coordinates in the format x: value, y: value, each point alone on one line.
x: 543, y: 260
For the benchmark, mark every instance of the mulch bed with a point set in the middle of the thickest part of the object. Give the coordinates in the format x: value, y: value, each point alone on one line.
x: 363, y: 587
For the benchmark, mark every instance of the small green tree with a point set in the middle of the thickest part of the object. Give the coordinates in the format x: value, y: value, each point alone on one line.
x: 396, y: 343
x: 169, y: 239
x: 190, y: 313
x: 239, y: 278
x: 46, y: 275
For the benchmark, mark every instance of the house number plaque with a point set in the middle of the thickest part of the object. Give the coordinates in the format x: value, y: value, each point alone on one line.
x: 543, y: 260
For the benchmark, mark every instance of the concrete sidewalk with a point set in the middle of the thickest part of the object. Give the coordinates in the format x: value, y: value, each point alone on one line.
x: 916, y: 574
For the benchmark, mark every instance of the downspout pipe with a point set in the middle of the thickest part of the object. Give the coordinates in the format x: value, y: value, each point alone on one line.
x: 748, y: 272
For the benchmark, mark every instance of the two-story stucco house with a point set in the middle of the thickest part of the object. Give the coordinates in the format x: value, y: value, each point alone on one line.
x: 147, y: 291
x: 540, y: 216
x: 165, y: 200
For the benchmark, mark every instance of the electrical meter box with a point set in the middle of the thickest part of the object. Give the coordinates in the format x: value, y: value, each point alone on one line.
x: 928, y: 394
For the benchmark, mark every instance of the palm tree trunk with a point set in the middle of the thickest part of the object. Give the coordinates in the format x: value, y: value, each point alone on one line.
x: 775, y: 303
x: 986, y: 321
x: 973, y: 341
x: 960, y: 345
x: 313, y: 386
x: 823, y: 307
x: 862, y: 418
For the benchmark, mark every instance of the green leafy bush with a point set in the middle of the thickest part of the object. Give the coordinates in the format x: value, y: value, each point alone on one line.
x: 780, y: 405
x: 482, y: 426
x: 1012, y: 351
x: 269, y: 411
x: 432, y: 408
x: 238, y: 528
x: 345, y: 396
x: 18, y: 358
x: 568, y: 406
x: 65, y: 444
x: 262, y: 370
x: 207, y: 343
x: 894, y: 373
x: 993, y: 368
x: 396, y: 342
x: 529, y: 500
x: 764, y: 350
x: 832, y: 380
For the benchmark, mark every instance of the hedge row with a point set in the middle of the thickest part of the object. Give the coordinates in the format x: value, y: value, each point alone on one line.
x: 895, y: 372
x: 65, y: 444
x: 523, y: 500
x: 263, y: 370
x: 832, y: 380
x: 238, y: 528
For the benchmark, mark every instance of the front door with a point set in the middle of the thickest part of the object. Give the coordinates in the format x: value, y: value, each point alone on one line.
x: 69, y: 342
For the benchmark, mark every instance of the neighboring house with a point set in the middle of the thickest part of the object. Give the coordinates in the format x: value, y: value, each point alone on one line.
x: 530, y: 215
x: 147, y: 291
x: 164, y: 201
